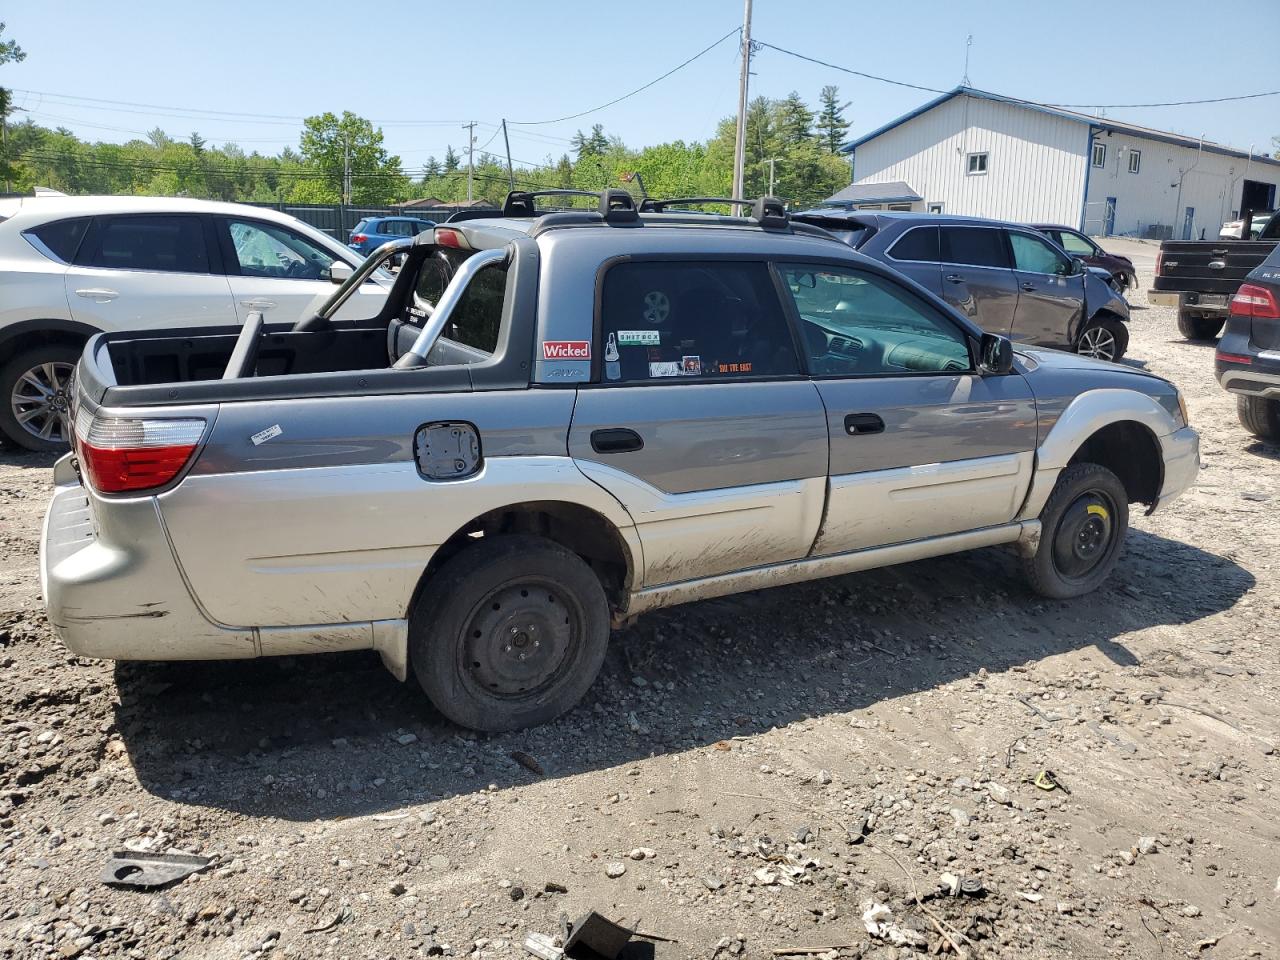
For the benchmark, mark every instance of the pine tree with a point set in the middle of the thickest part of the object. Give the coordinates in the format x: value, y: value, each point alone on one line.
x: 451, y: 161
x: 795, y: 120
x: 197, y: 143
x: 832, y: 126
x: 431, y: 169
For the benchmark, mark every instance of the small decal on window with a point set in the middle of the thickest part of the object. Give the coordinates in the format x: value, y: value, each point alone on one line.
x: 691, y: 366
x: 262, y: 436
x: 566, y: 349
x: 639, y: 338
x: 665, y: 368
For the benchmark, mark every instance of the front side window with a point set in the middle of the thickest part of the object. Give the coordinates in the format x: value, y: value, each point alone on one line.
x: 60, y: 238
x: 1135, y: 161
x: 1075, y: 244
x: 686, y: 322
x: 977, y: 164
x: 1035, y: 255
x: 919, y: 244
x: 974, y: 246
x: 1099, y: 154
x: 271, y: 250
x: 861, y: 324
x: 173, y: 244
x: 398, y: 228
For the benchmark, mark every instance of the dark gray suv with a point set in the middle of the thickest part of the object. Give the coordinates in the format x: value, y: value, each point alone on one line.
x: 1007, y: 278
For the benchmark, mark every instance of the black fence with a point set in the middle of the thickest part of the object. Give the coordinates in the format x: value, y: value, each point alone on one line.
x: 338, y: 219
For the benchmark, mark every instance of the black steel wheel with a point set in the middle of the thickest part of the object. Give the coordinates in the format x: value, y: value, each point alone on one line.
x: 1083, y: 526
x: 509, y: 633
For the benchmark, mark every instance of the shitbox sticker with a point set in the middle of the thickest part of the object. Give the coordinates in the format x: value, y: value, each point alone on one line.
x: 639, y: 338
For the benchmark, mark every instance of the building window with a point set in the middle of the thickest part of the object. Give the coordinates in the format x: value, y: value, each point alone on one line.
x: 977, y: 164
x: 1099, y: 154
x: 935, y: 208
x: 1135, y: 161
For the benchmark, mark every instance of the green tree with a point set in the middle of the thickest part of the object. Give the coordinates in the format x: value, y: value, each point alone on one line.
x: 431, y: 169
x: 10, y: 52
x: 329, y: 144
x: 832, y: 125
x: 593, y: 144
x: 197, y: 143
x: 794, y: 120
x: 451, y: 161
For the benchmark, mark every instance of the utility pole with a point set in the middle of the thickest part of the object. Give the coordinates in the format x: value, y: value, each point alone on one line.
x: 511, y: 174
x: 740, y: 144
x: 471, y: 147
x: 346, y: 170
x: 771, y: 161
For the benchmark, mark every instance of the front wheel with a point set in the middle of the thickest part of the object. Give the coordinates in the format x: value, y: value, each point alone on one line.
x: 1082, y: 530
x: 1196, y: 326
x: 509, y: 633
x: 35, y: 394
x: 1104, y: 338
x: 1259, y: 416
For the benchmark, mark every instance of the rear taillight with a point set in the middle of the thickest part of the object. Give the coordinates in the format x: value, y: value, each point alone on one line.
x: 1241, y: 358
x: 127, y: 454
x: 1254, y: 301
x: 448, y: 237
x: 1159, y: 262
x: 359, y: 237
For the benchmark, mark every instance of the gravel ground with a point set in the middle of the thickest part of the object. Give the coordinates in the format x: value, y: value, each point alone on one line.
x: 745, y: 776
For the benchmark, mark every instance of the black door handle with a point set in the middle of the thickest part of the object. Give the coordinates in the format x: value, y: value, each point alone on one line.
x: 953, y: 278
x: 616, y: 440
x: 856, y: 424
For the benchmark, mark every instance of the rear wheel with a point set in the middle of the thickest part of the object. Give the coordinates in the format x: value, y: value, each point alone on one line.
x: 35, y: 394
x: 1197, y: 326
x: 1083, y: 526
x: 1104, y: 338
x: 1260, y: 416
x: 509, y: 633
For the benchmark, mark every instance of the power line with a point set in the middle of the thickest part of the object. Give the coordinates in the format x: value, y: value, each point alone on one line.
x: 1170, y: 103
x: 856, y: 73
x: 625, y: 96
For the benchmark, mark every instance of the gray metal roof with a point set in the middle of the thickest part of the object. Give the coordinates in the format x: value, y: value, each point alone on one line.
x: 891, y: 191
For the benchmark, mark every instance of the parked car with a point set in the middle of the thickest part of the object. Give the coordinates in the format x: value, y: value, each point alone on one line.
x: 1006, y: 277
x: 71, y: 267
x: 1076, y: 244
x: 1200, y: 277
x: 1247, y: 360
x: 372, y: 232
x: 1234, y: 229
x: 559, y: 422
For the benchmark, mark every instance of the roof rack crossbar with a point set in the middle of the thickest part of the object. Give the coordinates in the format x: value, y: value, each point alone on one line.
x: 651, y: 205
x: 519, y: 203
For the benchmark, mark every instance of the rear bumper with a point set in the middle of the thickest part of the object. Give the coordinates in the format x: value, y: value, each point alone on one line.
x: 1181, y: 452
x: 1184, y: 300
x: 117, y: 593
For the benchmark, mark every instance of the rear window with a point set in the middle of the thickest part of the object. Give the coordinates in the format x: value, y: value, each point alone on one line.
x: 918, y: 243
x: 974, y: 246
x: 477, y: 318
x: 360, y: 227
x: 60, y: 238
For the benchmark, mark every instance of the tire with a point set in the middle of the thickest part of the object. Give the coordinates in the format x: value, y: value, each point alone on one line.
x: 1260, y: 416
x: 34, y: 393
x: 521, y: 587
x: 1193, y: 326
x: 1105, y: 338
x: 1083, y: 526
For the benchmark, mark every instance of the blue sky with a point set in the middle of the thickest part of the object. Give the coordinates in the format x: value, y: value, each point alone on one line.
x: 421, y: 69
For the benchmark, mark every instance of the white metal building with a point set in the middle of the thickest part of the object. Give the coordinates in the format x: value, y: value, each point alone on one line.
x: 980, y: 154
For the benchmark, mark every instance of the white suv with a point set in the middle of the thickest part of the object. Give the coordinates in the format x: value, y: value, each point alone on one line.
x: 73, y: 266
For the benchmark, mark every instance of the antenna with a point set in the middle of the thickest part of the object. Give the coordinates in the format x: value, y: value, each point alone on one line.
x: 968, y: 42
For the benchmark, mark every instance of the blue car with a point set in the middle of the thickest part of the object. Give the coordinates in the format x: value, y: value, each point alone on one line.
x: 372, y: 232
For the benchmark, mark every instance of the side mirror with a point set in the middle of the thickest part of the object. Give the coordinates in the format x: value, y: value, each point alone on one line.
x: 1078, y: 266
x: 340, y: 271
x: 996, y: 354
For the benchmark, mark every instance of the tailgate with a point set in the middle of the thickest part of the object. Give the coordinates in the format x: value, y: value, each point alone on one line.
x: 1208, y: 266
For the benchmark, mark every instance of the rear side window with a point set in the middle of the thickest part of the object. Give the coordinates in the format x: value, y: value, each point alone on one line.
x: 360, y: 227
x: 686, y: 322
x: 477, y: 318
x: 974, y: 246
x: 173, y: 244
x: 60, y: 238
x: 919, y: 243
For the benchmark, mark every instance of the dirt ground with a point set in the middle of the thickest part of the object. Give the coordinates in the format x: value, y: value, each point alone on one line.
x: 746, y: 775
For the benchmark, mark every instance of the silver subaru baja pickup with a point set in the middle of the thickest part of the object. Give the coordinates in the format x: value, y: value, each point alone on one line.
x: 562, y: 420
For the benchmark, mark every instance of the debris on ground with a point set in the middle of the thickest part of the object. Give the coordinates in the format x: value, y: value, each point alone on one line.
x: 150, y: 871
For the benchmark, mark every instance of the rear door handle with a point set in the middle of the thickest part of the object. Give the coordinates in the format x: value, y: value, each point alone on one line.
x: 258, y: 304
x: 1029, y: 287
x: 100, y: 294
x: 616, y: 440
x: 953, y: 278
x: 857, y: 424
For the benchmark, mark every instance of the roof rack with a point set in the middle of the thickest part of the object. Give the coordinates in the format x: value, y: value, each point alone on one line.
x: 769, y: 212
x: 615, y: 206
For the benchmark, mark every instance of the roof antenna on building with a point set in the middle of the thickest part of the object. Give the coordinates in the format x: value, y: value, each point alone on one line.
x: 968, y: 42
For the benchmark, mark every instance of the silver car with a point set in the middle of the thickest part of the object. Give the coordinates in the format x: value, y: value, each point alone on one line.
x: 559, y: 422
